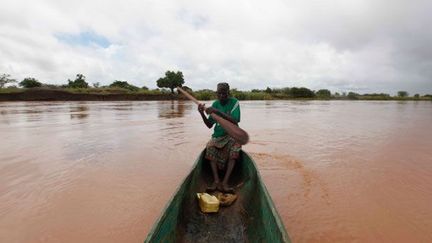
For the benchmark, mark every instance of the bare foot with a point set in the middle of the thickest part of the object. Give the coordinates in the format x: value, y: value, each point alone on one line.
x: 220, y: 187
x: 225, y: 188
x: 213, y: 187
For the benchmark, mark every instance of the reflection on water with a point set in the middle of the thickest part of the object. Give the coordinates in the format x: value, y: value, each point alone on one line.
x: 171, y: 109
x: 338, y: 171
x: 78, y: 111
x: 174, y: 126
x: 124, y: 106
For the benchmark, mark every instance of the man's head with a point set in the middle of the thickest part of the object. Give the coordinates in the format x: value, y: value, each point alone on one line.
x: 222, y: 92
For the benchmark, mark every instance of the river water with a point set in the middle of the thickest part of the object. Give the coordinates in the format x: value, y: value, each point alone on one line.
x: 338, y: 171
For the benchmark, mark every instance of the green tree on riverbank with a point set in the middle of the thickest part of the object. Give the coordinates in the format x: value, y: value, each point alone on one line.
x: 353, y: 96
x: 79, y: 82
x: 5, y: 79
x: 171, y: 80
x: 30, y: 83
x: 402, y: 94
x: 123, y: 85
x: 323, y: 94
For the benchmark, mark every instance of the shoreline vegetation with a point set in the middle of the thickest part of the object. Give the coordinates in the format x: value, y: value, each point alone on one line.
x: 118, y: 94
x: 79, y: 90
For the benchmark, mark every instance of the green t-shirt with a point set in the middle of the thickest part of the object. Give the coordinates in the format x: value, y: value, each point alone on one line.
x: 231, y: 108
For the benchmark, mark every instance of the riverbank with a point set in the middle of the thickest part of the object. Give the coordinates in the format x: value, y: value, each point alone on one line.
x: 117, y: 94
x: 64, y: 95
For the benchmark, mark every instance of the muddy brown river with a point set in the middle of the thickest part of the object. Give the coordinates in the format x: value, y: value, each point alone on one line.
x: 338, y: 171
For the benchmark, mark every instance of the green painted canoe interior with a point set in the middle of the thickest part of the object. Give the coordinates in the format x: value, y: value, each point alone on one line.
x: 252, y: 218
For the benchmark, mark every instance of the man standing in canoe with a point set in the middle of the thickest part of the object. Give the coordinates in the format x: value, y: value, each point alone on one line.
x: 222, y: 150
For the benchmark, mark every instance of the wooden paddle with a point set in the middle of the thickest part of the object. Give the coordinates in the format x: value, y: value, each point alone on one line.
x: 233, y: 130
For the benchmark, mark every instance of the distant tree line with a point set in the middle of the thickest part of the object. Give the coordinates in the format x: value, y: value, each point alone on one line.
x: 79, y: 82
x: 173, y: 79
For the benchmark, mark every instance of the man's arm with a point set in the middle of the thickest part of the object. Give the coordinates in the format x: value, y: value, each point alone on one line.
x: 208, y: 123
x: 210, y: 110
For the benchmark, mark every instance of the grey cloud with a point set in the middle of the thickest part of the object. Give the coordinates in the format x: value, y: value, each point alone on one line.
x: 360, y: 45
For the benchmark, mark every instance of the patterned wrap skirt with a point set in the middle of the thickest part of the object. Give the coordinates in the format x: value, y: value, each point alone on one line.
x: 221, y: 150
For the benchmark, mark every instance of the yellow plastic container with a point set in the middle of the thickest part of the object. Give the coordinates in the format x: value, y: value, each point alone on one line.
x: 208, y: 203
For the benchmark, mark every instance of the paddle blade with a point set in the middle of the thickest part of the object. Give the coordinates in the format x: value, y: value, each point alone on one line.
x: 240, y: 135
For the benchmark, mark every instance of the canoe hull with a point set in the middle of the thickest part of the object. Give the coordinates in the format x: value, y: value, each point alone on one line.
x: 252, y: 218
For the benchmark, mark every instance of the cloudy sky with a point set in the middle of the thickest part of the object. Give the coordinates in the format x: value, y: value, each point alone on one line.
x: 342, y: 45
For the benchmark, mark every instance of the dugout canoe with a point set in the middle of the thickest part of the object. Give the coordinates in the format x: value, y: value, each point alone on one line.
x: 252, y: 217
